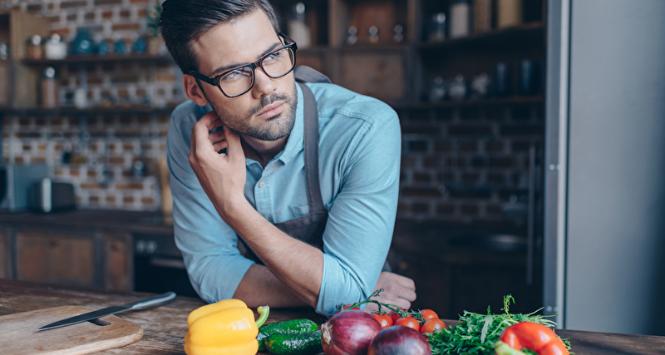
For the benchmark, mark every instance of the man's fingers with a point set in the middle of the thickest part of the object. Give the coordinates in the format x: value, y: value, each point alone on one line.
x: 401, y: 303
x: 210, y: 120
x: 216, y: 137
x: 405, y: 282
x: 221, y: 145
x: 235, y: 147
x: 407, y: 294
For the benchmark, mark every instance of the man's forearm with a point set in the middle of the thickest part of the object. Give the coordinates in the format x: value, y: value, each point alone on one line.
x: 295, y: 263
x: 259, y: 286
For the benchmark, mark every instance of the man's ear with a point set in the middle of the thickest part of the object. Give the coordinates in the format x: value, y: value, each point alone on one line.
x: 193, y: 90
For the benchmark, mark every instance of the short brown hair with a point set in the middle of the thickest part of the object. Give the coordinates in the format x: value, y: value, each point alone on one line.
x: 182, y: 21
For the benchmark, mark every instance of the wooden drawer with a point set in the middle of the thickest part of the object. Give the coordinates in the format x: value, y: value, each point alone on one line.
x: 118, y: 263
x: 55, y: 258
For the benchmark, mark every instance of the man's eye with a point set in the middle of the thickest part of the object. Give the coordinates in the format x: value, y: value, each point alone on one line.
x: 273, y: 56
x: 235, y: 75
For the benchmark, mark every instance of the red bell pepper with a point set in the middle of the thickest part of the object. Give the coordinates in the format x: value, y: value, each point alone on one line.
x: 531, y: 336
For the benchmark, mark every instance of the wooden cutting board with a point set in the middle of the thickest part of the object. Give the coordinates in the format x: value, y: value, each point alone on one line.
x: 18, y: 333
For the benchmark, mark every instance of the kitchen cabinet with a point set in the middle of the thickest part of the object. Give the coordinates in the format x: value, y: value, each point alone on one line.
x: 463, y: 268
x: 54, y: 257
x: 5, y: 255
x: 86, y: 249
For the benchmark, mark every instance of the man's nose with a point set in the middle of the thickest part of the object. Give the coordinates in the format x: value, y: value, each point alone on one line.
x: 263, y: 84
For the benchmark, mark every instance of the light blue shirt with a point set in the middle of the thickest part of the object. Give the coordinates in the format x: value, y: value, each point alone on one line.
x: 359, y: 161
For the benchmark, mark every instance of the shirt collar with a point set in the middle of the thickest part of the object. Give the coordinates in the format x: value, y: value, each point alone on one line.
x: 295, y: 142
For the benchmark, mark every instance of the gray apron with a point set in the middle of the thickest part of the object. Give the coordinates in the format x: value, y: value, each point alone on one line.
x: 308, y: 228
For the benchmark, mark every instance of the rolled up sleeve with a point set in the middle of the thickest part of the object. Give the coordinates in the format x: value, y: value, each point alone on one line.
x: 209, y: 245
x: 362, y: 216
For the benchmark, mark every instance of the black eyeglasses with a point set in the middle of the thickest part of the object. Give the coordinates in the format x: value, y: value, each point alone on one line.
x: 239, y: 80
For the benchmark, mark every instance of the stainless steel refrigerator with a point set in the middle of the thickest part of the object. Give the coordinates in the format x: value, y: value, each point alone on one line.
x: 604, y: 262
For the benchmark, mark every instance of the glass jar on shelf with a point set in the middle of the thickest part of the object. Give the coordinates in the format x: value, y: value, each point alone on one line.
x: 373, y: 34
x: 33, y: 48
x: 436, y: 31
x: 437, y: 89
x: 55, y: 48
x: 49, y: 88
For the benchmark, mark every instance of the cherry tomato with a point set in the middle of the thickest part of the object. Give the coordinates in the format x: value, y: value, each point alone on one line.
x: 384, y: 319
x: 395, y: 316
x: 409, y: 322
x: 432, y: 325
x: 428, y: 314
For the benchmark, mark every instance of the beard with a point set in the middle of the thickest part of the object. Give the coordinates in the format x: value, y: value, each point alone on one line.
x: 270, y: 129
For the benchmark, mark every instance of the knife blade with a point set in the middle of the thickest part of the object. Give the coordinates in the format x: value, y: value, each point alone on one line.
x: 141, y: 304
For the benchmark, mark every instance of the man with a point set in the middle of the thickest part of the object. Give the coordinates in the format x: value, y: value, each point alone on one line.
x: 264, y: 210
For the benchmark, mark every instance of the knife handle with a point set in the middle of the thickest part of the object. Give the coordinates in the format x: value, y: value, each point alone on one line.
x: 152, y: 301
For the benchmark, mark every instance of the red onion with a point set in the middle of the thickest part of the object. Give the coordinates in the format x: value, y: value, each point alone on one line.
x: 398, y: 340
x: 348, y: 333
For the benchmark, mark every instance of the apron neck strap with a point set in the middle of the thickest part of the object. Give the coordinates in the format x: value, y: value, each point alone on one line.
x: 311, y: 117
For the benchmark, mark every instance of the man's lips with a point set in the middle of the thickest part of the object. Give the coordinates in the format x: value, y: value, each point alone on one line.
x: 271, y: 110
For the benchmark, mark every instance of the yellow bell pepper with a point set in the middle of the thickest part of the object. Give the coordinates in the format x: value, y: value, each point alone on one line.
x: 224, y: 328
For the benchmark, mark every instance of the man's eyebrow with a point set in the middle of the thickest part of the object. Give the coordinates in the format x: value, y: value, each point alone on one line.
x: 227, y: 67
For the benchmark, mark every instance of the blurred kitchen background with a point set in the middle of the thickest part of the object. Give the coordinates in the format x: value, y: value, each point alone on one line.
x: 483, y: 90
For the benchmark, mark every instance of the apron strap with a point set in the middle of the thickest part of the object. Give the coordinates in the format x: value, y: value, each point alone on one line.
x: 311, y: 117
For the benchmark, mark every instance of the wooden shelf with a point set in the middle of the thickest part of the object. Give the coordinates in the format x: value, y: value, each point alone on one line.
x: 93, y: 111
x: 504, y: 37
x: 374, y: 48
x: 102, y: 59
x: 511, y: 100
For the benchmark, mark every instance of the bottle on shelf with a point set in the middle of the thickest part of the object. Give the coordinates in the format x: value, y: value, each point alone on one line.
x: 509, y: 13
x: 460, y: 17
x: 4, y: 74
x: 482, y: 16
x: 298, y: 29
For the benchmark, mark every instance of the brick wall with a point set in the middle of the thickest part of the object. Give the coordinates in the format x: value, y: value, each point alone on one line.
x: 460, y: 164
x: 468, y: 164
x: 100, y: 155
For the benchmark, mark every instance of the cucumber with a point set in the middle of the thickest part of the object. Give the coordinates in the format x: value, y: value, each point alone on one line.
x: 293, y: 326
x: 294, y: 344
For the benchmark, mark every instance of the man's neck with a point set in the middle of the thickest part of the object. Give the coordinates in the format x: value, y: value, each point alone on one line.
x: 261, y: 150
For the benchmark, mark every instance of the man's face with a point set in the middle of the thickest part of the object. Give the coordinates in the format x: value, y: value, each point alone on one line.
x: 267, y: 111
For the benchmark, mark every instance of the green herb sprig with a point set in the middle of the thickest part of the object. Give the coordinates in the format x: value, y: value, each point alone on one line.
x: 477, y: 333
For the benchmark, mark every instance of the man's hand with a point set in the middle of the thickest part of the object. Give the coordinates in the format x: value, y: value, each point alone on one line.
x: 222, y: 175
x: 397, y: 290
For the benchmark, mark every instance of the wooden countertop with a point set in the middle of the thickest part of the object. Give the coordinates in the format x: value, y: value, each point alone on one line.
x: 126, y: 221
x: 165, y: 327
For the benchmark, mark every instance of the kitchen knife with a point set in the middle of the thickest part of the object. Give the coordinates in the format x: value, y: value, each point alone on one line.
x: 141, y: 304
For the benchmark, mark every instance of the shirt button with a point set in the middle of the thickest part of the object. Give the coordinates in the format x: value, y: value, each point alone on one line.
x: 261, y: 184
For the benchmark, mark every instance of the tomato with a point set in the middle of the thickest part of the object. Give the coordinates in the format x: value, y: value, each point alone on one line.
x: 432, y: 325
x: 394, y: 316
x: 532, y: 336
x: 384, y: 319
x: 409, y: 322
x: 428, y: 314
